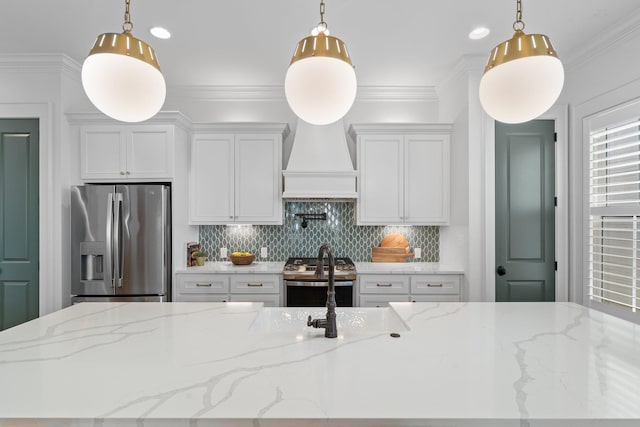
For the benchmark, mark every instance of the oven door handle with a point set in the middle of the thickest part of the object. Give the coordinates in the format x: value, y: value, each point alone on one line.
x: 312, y: 283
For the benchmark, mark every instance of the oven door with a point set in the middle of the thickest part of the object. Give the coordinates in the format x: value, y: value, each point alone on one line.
x: 313, y: 293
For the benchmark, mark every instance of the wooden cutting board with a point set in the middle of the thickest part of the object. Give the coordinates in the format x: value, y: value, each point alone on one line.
x: 380, y: 254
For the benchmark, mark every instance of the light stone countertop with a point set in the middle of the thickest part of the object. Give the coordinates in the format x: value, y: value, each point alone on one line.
x: 406, y: 268
x: 199, y: 364
x: 275, y: 267
x: 227, y: 267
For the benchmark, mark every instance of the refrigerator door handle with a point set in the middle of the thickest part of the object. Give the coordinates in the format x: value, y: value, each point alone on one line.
x: 117, y: 244
x: 110, y: 276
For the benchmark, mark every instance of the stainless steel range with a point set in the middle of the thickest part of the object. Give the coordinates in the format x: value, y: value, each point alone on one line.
x: 304, y: 289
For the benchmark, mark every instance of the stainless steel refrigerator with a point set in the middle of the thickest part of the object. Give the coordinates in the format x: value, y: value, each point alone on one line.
x: 121, y: 242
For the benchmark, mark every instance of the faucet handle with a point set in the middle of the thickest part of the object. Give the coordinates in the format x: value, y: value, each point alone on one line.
x: 310, y: 321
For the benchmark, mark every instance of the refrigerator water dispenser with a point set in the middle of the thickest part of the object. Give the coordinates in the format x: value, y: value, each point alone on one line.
x: 91, y: 261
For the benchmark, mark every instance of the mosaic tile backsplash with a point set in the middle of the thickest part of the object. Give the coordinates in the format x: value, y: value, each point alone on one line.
x: 339, y: 230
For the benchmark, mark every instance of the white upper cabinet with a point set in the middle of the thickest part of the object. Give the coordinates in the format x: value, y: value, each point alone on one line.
x: 403, y: 173
x: 236, y: 176
x: 126, y: 152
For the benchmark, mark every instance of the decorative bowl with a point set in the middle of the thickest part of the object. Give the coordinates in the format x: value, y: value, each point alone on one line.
x: 242, y: 260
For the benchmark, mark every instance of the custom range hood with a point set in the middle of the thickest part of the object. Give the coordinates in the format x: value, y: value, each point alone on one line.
x: 320, y: 166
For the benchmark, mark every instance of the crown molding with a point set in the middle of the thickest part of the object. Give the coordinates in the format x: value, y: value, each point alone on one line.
x: 397, y: 94
x: 41, y: 63
x: 176, y: 118
x: 228, y: 93
x: 624, y: 29
x: 462, y: 68
x: 276, y: 93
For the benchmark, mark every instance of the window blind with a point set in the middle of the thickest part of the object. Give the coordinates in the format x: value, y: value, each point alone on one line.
x: 614, y: 215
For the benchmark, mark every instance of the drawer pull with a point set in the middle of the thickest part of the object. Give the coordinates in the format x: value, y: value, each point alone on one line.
x: 434, y: 285
x: 203, y: 285
x: 255, y: 285
x: 384, y: 285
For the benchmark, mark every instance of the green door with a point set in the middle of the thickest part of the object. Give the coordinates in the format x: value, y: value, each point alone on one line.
x: 525, y: 211
x: 18, y: 221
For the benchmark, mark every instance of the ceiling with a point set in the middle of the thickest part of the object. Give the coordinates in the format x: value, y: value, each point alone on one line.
x: 250, y: 42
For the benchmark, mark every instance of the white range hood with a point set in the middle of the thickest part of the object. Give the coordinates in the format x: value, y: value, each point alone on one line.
x: 320, y: 165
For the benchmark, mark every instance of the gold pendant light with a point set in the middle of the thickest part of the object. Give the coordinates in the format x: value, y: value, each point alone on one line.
x: 523, y: 77
x: 121, y: 76
x: 320, y: 84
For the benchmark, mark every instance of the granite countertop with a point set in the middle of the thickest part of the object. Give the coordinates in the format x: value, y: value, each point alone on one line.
x: 199, y: 364
x: 275, y: 267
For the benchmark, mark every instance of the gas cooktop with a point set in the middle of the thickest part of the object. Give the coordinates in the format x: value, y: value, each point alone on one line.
x: 301, y: 265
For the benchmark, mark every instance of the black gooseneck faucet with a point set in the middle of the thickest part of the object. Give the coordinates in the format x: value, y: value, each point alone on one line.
x: 329, y: 324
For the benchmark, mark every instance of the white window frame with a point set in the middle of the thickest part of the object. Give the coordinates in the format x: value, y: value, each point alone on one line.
x: 609, y: 118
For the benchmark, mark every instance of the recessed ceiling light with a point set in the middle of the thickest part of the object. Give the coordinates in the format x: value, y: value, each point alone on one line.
x: 479, y: 33
x: 159, y: 32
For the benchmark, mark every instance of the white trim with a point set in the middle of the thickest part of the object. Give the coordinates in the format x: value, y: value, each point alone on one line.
x: 558, y: 113
x: 48, y: 232
x: 275, y: 93
x: 581, y: 116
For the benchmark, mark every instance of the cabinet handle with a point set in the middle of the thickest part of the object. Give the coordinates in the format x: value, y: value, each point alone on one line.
x: 384, y: 285
x: 128, y: 173
x: 257, y: 285
x: 434, y: 285
x: 203, y: 285
x: 121, y: 172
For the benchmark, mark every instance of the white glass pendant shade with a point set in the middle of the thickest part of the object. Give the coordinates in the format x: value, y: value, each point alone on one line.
x: 320, y: 90
x: 320, y: 85
x: 125, y: 85
x: 522, y: 80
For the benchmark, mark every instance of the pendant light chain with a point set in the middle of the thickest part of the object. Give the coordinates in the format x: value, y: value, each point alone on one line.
x: 322, y: 12
x: 519, y: 24
x: 127, y: 26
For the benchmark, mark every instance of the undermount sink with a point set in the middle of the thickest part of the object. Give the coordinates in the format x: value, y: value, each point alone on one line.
x: 350, y: 320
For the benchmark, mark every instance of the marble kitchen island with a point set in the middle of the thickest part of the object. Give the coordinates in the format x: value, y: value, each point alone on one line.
x: 201, y: 364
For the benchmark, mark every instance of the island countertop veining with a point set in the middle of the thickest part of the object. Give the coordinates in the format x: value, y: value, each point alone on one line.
x: 201, y: 364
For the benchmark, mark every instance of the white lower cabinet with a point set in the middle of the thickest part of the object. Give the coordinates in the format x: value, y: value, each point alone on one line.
x: 383, y: 284
x: 214, y: 287
x: 436, y: 287
x: 201, y: 287
x: 378, y: 290
x: 263, y: 288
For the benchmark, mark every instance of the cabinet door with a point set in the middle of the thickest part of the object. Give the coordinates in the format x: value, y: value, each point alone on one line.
x: 201, y: 287
x: 426, y: 190
x: 150, y: 152
x: 211, y: 180
x: 258, y: 171
x: 436, y: 284
x: 255, y: 284
x: 383, y: 284
x: 102, y: 153
x: 380, y: 193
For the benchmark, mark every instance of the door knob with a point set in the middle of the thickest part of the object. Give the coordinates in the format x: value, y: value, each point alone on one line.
x: 501, y: 271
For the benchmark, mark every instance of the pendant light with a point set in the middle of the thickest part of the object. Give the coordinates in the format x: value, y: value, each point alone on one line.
x: 523, y: 77
x: 320, y: 84
x: 121, y: 76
